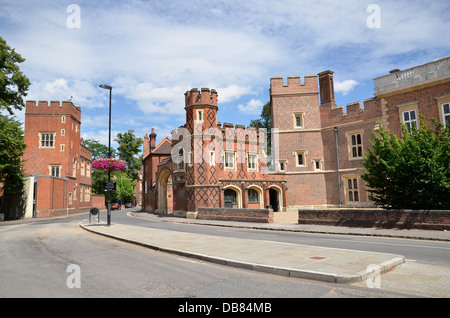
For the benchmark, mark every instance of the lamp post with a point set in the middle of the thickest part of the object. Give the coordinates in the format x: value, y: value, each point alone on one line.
x: 109, y: 152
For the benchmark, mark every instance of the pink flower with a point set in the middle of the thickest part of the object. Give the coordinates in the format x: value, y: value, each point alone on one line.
x: 109, y: 164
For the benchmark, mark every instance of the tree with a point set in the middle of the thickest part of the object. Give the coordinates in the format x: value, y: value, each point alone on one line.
x: 128, y: 150
x: 12, y: 148
x: 265, y: 121
x: 98, y: 150
x: 13, y: 87
x: 13, y: 83
x: 411, y: 171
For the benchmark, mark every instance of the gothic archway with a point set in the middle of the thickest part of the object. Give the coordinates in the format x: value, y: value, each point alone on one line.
x: 165, y: 192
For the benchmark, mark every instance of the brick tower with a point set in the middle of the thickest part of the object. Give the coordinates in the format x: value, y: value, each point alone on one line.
x: 57, y: 158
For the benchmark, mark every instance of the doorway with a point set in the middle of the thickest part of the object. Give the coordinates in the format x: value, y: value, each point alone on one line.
x: 274, y: 199
x: 165, y: 193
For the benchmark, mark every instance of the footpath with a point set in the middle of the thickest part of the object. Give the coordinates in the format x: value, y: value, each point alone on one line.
x: 294, y: 260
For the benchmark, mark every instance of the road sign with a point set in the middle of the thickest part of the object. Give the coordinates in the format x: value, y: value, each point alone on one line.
x: 109, y: 186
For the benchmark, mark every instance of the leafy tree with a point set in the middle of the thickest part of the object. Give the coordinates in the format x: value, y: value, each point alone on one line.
x: 124, y: 187
x: 13, y: 83
x: 411, y: 171
x: 98, y: 150
x: 128, y: 150
x: 265, y: 121
x: 12, y: 148
x: 13, y: 87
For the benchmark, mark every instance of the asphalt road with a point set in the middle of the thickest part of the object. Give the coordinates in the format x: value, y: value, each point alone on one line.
x: 56, y: 258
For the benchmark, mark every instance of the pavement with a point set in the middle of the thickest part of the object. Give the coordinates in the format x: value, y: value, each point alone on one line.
x: 294, y: 260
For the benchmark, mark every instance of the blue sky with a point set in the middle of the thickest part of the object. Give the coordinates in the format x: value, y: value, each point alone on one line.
x: 151, y: 52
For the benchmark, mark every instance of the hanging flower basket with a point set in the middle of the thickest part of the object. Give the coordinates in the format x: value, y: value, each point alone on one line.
x: 109, y: 164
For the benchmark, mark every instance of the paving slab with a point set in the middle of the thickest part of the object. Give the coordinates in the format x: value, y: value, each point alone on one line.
x: 295, y: 260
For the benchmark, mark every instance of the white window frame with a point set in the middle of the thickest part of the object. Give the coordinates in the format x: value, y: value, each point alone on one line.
x: 250, y: 164
x: 227, y: 155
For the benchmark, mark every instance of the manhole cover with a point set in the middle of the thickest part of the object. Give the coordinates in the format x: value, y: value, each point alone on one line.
x: 317, y: 257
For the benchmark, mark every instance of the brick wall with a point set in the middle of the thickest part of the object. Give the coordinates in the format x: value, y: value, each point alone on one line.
x: 240, y: 215
x: 407, y: 219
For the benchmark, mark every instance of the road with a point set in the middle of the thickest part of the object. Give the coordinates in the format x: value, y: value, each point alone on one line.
x: 53, y: 258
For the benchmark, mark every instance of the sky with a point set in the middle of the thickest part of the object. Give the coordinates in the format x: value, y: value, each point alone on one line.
x: 152, y: 52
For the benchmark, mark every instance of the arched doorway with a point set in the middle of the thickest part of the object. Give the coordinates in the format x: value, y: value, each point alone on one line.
x: 232, y: 198
x: 165, y: 193
x: 275, y: 199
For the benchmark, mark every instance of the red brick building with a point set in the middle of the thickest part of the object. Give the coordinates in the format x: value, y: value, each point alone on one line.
x: 207, y: 164
x: 318, y: 146
x: 57, y: 159
x: 321, y: 146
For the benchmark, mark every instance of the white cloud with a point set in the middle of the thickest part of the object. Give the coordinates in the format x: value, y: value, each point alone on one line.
x: 345, y: 87
x: 254, y: 106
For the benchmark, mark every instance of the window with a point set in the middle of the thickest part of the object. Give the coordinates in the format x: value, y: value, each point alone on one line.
x: 212, y: 158
x: 200, y: 115
x: 82, y: 166
x: 74, y: 167
x: 253, y: 196
x: 230, y: 159
x: 352, y: 190
x: 318, y: 164
x: 88, y: 169
x: 300, y: 159
x: 55, y: 170
x: 47, y: 140
x: 62, y: 147
x: 252, y: 162
x: 282, y: 165
x: 63, y: 132
x: 356, y: 146
x: 298, y: 120
x: 181, y: 159
x: 446, y: 114
x: 63, y: 119
x: 410, y: 119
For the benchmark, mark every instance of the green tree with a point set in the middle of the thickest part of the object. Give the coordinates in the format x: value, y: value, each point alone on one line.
x: 13, y: 83
x: 13, y: 87
x: 128, y: 150
x: 12, y: 148
x: 265, y: 121
x: 98, y: 150
x: 124, y: 187
x: 411, y: 171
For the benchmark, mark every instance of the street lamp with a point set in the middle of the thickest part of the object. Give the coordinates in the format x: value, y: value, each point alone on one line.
x: 109, y: 152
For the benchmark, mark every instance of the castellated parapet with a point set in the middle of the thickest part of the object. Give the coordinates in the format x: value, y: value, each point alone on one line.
x: 66, y: 108
x: 203, y: 97
x: 294, y: 85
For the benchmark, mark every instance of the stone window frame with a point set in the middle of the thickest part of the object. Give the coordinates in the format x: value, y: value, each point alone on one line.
x: 225, y: 159
x: 301, y: 115
x: 443, y: 100
x: 280, y: 163
x: 350, y: 199
x: 304, y: 153
x: 353, y: 135
x: 51, y: 139
x: 52, y: 169
x: 253, y: 154
x: 409, y: 107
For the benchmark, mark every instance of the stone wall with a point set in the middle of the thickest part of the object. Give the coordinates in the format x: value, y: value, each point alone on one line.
x: 402, y: 219
x: 240, y: 215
